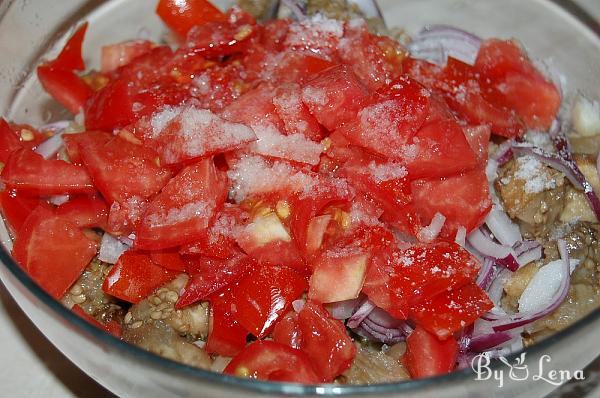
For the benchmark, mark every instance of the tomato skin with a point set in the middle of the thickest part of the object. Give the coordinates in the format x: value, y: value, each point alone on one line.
x: 325, y: 341
x: 46, y: 236
x: 32, y: 174
x: 181, y: 16
x: 134, y: 277
x: 65, y: 87
x: 184, y: 208
x: 169, y: 259
x: 9, y: 142
x: 17, y: 207
x: 463, y: 199
x: 85, y: 212
x: 268, y: 360
x: 226, y: 336
x: 264, y: 296
x: 426, y: 356
x: 287, y: 331
x: 70, y: 57
x: 116, y: 55
x: 479, y: 139
x: 450, y: 312
x: 210, y: 275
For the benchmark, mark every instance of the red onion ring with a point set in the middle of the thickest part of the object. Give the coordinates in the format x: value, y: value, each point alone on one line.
x: 343, y: 309
x: 111, y: 249
x: 361, y: 313
x: 485, y: 245
x: 435, y: 43
x: 484, y: 342
x: 485, y: 273
x: 431, y: 232
x: 503, y: 229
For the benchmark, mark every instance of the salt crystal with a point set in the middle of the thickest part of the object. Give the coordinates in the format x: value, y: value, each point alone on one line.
x: 295, y: 147
x: 176, y: 215
x: 387, y: 171
x: 533, y: 172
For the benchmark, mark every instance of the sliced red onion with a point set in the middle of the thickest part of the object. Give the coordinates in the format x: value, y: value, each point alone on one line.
x: 485, y: 245
x: 431, y: 232
x: 49, y: 148
x: 461, y: 236
x: 521, y: 319
x: 509, y: 262
x: 563, y: 163
x: 380, y: 317
x: 504, y: 152
x: 496, y: 288
x: 435, y: 43
x: 376, y: 335
x: 361, y: 313
x: 128, y: 240
x: 598, y: 164
x: 502, y: 227
x: 56, y: 126
x: 298, y: 304
x: 297, y: 7
x: 58, y: 200
x: 343, y: 309
x: 111, y: 249
x: 533, y: 253
x: 484, y: 342
x: 486, y: 273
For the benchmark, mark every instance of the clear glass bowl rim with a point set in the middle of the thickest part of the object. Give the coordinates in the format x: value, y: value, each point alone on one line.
x: 265, y: 387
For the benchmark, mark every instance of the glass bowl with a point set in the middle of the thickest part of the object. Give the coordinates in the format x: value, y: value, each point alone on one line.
x: 558, y: 32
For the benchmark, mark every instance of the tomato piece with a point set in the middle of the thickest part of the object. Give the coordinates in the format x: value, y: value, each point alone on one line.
x: 346, y: 272
x: 16, y: 208
x: 316, y: 35
x: 70, y: 57
x: 181, y: 16
x: 52, y: 250
x: 450, y: 312
x: 442, y: 150
x: 397, y: 279
x: 479, y: 140
x: 287, y: 331
x: 30, y: 173
x: 120, y: 169
x: 295, y: 115
x: 271, y: 361
x: 390, y: 118
x: 334, y: 96
x: 375, y: 59
x: 315, y: 232
x: 254, y: 107
x: 463, y: 199
x: 169, y: 259
x: 190, y: 133
x: 264, y: 296
x: 184, y: 208
x: 116, y: 55
x: 225, y: 335
x: 325, y: 341
x: 426, y: 356
x: 134, y: 277
x: 9, y: 142
x: 273, y: 34
x: 210, y: 275
x: 65, y: 87
x: 85, y: 212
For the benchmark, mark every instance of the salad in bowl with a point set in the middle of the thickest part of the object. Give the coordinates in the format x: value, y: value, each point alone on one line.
x: 312, y: 198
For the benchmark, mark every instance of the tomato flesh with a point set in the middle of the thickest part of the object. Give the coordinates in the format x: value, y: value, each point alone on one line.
x: 426, y: 356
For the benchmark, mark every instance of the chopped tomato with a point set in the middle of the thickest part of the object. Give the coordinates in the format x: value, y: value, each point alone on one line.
x: 427, y: 356
x: 390, y: 118
x: 70, y: 57
x: 169, y: 259
x: 441, y: 150
x: 326, y: 341
x: 479, y: 140
x: 85, y: 212
x: 210, y: 275
x: 334, y: 96
x: 17, y: 207
x: 271, y: 361
x: 184, y: 208
x: 516, y: 83
x: 255, y: 107
x: 463, y: 199
x: 346, y: 272
x: 9, y: 142
x: 120, y: 170
x: 264, y: 296
x: 134, y: 277
x: 116, y: 55
x: 52, y: 250
x: 295, y: 115
x: 398, y: 279
x: 65, y: 87
x: 450, y: 312
x: 225, y: 335
x: 30, y: 173
x: 182, y: 15
x: 287, y: 331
